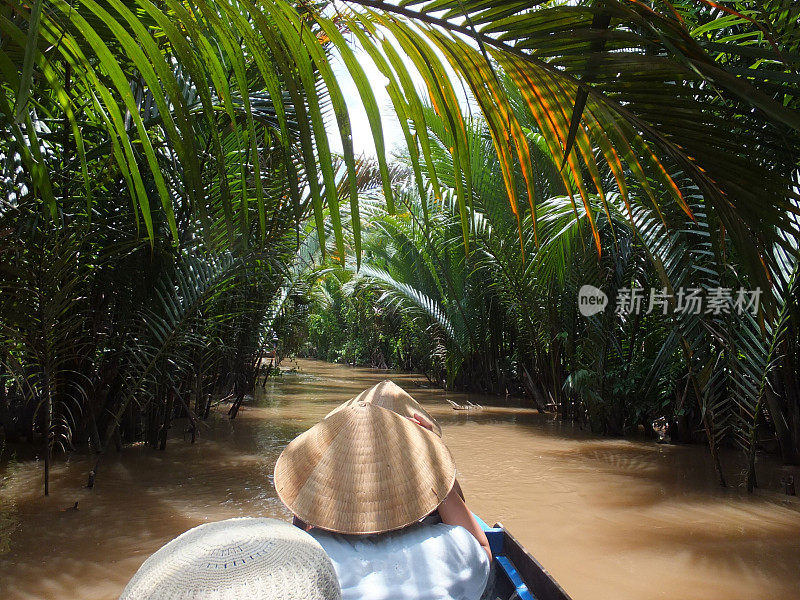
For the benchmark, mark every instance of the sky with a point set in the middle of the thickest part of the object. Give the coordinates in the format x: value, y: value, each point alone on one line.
x: 362, y: 135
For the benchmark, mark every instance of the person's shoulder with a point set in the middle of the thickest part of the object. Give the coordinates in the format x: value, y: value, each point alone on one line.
x: 326, y: 538
x: 459, y: 540
x: 419, y: 535
x: 333, y: 542
x: 444, y: 529
x: 437, y: 533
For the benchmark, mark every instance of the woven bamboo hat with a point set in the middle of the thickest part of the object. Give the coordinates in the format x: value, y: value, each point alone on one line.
x: 237, y: 559
x: 364, y: 469
x: 387, y: 394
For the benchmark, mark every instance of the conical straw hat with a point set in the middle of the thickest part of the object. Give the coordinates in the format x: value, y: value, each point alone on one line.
x: 364, y: 469
x: 387, y: 394
x: 237, y: 559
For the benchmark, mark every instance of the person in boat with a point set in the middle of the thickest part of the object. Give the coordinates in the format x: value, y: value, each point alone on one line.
x: 387, y: 394
x: 378, y: 492
x: 244, y: 558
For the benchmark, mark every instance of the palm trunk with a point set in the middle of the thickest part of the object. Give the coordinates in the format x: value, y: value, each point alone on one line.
x: 48, y: 424
x: 785, y: 411
x: 170, y: 406
x: 5, y: 420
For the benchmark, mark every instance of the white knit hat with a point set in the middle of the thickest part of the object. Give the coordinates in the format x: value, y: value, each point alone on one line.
x: 237, y: 559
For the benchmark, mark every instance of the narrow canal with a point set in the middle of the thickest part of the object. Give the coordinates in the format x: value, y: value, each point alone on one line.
x: 611, y: 519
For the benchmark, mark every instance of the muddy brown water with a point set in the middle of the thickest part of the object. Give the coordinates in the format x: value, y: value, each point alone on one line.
x: 611, y: 519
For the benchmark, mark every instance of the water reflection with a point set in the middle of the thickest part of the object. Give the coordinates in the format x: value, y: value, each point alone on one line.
x: 610, y: 518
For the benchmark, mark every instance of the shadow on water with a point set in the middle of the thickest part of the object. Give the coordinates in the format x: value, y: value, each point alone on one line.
x: 142, y: 499
x: 628, y: 520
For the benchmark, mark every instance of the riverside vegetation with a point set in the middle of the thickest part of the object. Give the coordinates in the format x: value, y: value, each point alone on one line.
x: 170, y: 206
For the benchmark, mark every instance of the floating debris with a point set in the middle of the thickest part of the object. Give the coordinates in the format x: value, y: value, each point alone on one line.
x: 468, y: 406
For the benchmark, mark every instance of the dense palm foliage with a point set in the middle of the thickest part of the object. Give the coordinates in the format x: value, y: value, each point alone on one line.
x: 105, y: 336
x: 160, y: 162
x: 503, y: 320
x: 496, y: 323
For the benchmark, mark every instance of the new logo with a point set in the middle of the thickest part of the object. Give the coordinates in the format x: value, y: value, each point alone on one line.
x: 591, y: 300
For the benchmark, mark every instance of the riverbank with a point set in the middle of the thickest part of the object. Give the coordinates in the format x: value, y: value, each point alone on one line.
x: 629, y: 520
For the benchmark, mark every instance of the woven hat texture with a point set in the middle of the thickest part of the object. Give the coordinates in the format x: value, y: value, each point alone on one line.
x: 387, y: 394
x: 237, y: 559
x: 364, y: 469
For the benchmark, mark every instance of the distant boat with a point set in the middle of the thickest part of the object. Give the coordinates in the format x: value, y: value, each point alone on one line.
x: 519, y: 574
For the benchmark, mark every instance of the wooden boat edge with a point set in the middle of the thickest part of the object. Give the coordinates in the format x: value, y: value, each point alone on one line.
x: 526, y: 574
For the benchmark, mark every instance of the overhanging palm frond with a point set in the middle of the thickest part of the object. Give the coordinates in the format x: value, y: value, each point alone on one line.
x: 657, y: 88
x: 651, y: 79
